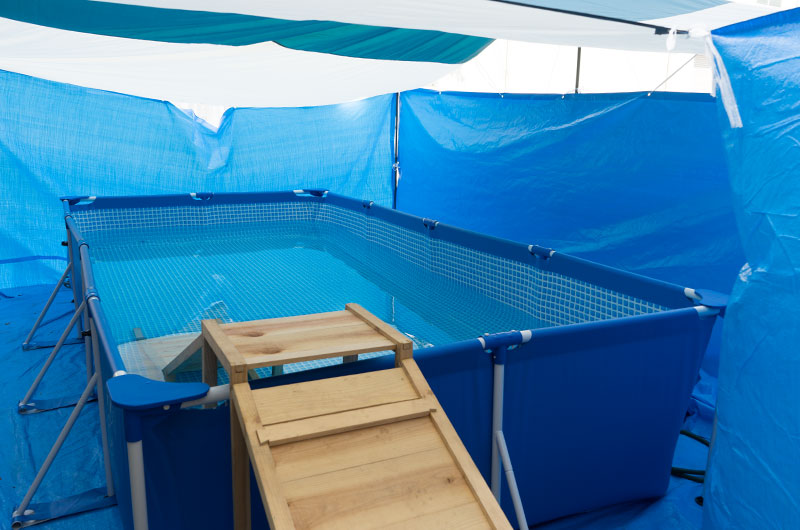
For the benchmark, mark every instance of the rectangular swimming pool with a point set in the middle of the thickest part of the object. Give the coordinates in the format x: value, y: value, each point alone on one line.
x: 596, y: 343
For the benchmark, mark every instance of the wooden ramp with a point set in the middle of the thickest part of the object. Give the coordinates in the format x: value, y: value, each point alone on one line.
x: 372, y: 450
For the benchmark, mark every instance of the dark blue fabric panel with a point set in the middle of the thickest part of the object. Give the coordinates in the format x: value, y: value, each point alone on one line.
x: 628, y: 180
x: 182, y: 494
x: 754, y: 475
x: 592, y: 412
x: 592, y: 415
x: 58, y: 139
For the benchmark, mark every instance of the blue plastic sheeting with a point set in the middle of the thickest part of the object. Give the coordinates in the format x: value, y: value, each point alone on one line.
x: 625, y: 180
x: 58, y: 139
x: 628, y: 180
x: 754, y: 479
x: 77, y: 471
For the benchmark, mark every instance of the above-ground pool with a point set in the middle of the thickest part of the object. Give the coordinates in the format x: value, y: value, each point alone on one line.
x: 162, y: 275
x: 596, y: 384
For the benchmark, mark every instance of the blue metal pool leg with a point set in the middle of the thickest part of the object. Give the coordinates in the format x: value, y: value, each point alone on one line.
x: 23, y: 516
x: 101, y: 406
x: 25, y: 404
x: 28, y: 345
x: 87, y: 343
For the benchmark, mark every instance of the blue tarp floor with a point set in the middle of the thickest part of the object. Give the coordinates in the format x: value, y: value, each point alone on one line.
x: 26, y: 439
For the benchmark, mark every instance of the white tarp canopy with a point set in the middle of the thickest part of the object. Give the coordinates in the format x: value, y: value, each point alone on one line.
x: 312, y: 52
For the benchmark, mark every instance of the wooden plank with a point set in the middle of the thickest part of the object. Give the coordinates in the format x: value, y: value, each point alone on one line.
x: 456, y: 448
x: 240, y: 473
x: 322, y: 351
x: 281, y: 322
x: 379, y: 493
x: 183, y: 356
x: 209, y: 374
x: 327, y: 396
x: 354, y: 448
x: 467, y: 516
x: 256, y: 329
x: 404, y: 347
x: 245, y: 414
x: 226, y: 352
x: 310, y: 340
x: 295, y: 431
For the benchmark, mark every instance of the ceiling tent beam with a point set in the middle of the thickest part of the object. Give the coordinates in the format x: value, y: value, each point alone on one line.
x: 658, y: 30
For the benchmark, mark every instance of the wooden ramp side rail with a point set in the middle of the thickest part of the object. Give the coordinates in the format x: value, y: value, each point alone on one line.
x: 371, y: 450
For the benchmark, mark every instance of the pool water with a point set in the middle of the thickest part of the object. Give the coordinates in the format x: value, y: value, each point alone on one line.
x: 165, y: 281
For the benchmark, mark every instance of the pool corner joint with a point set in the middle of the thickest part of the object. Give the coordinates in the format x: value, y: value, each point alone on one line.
x: 708, y: 302
x: 540, y: 252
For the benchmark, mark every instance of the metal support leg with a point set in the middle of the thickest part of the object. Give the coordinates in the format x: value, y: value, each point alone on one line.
x: 138, y: 489
x: 497, y: 417
x: 56, y: 447
x: 27, y: 344
x: 500, y: 442
x: 101, y: 405
x: 87, y: 343
x: 25, y: 403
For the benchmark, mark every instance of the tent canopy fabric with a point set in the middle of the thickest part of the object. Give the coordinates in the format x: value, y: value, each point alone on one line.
x: 231, y: 29
x: 603, y: 23
x: 278, y: 54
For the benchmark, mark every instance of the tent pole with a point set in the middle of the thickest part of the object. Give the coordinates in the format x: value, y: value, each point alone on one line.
x: 578, y: 71
x: 396, y: 165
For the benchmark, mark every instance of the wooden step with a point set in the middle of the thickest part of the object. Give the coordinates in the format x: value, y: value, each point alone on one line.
x: 371, y: 450
x: 391, y: 461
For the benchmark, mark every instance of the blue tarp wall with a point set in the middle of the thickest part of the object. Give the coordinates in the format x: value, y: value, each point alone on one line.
x: 754, y: 477
x: 635, y: 181
x: 58, y: 139
x: 646, y: 188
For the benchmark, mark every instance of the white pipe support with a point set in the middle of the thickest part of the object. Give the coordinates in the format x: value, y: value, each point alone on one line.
x: 497, y: 425
x: 500, y: 441
x: 215, y: 395
x: 705, y: 311
x: 138, y: 488
x: 691, y: 294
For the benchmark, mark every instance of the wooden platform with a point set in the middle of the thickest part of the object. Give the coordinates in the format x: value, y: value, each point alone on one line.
x: 372, y: 450
x: 242, y: 346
